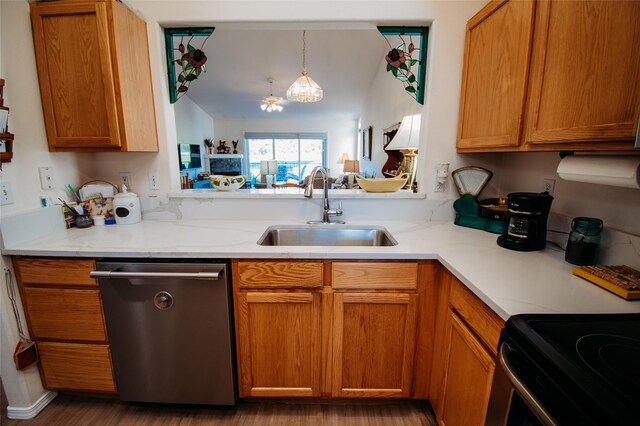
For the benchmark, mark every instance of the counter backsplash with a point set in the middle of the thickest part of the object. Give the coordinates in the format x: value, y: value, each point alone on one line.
x: 616, y: 247
x: 295, y: 209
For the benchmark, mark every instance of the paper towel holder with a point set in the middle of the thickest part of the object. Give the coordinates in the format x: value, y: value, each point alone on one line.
x: 614, y: 170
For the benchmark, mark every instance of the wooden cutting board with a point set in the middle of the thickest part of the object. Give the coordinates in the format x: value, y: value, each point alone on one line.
x: 618, y: 279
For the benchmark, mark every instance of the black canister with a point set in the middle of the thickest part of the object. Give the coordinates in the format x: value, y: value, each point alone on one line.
x: 583, y: 242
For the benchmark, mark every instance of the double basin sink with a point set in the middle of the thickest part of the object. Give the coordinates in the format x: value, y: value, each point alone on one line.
x: 326, y: 235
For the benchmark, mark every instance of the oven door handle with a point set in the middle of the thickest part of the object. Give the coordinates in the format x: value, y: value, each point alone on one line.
x: 522, y: 390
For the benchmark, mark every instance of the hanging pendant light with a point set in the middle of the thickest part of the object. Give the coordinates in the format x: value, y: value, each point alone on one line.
x: 304, y: 89
x: 270, y: 103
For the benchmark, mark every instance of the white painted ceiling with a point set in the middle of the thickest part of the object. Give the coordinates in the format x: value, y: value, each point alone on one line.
x: 240, y: 59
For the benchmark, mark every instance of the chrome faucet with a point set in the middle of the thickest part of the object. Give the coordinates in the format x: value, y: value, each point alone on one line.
x: 327, y: 212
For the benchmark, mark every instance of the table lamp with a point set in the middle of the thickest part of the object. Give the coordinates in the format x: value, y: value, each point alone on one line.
x: 351, y: 167
x: 269, y: 168
x: 407, y: 138
x: 344, y: 156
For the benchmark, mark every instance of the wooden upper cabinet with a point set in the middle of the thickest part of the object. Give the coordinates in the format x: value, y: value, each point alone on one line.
x: 585, y: 73
x: 551, y: 75
x: 94, y: 74
x: 494, y: 76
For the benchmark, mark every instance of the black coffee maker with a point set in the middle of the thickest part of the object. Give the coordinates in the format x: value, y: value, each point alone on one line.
x: 528, y: 213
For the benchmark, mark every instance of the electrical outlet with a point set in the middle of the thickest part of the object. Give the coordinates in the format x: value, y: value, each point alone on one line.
x: 549, y: 185
x: 153, y: 181
x: 47, y: 180
x: 6, y: 193
x: 125, y: 179
x: 442, y: 171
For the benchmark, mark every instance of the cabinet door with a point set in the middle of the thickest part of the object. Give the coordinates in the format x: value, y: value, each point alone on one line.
x: 585, y: 72
x: 494, y: 78
x: 78, y: 367
x: 279, y: 344
x: 75, y: 71
x: 55, y: 272
x: 65, y: 314
x: 469, y: 373
x: 373, y: 344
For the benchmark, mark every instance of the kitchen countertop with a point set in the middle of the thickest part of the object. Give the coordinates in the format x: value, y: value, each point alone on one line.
x: 509, y: 282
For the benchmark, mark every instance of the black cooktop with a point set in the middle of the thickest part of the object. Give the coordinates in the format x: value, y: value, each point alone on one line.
x: 582, y: 365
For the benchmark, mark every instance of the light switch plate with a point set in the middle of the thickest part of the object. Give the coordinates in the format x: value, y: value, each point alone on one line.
x: 6, y: 193
x: 153, y: 181
x: 47, y: 180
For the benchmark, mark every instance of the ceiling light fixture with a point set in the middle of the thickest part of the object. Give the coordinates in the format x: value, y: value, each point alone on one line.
x: 270, y: 103
x: 304, y: 89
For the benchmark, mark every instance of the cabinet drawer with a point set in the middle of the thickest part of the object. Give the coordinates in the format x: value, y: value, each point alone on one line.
x: 378, y: 275
x: 280, y: 274
x: 74, y: 366
x: 55, y: 271
x: 478, y: 316
x: 65, y: 314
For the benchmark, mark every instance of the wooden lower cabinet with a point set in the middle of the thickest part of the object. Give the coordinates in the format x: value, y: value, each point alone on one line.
x: 329, y: 341
x: 279, y: 343
x: 63, y: 309
x: 466, y: 340
x: 76, y: 366
x: 65, y: 314
x: 468, y: 376
x: 373, y: 344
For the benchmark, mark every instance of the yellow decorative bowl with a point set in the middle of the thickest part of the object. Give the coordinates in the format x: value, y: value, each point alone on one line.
x: 382, y: 184
x: 226, y: 183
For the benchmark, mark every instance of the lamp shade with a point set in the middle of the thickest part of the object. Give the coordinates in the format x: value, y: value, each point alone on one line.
x: 408, y: 134
x: 343, y: 157
x: 268, y: 167
x: 351, y: 166
x: 304, y: 89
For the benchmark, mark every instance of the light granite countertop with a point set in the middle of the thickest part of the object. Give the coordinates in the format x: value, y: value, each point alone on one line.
x: 509, y: 282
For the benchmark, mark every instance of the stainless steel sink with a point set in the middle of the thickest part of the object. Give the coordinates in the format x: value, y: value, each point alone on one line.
x: 326, y: 235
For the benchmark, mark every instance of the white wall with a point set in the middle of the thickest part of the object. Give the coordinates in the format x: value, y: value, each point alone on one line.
x: 341, y: 134
x: 193, y: 125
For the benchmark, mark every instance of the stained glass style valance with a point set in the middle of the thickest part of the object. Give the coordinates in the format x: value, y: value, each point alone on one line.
x: 407, y: 57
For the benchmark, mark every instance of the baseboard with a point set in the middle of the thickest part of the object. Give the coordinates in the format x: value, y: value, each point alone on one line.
x: 26, y: 413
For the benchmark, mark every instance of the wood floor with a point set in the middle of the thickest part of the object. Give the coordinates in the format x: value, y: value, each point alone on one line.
x: 80, y: 410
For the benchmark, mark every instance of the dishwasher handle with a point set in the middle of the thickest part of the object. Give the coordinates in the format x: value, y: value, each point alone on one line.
x: 187, y: 275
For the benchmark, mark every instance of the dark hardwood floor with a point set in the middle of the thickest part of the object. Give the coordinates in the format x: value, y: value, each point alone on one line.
x: 81, y: 410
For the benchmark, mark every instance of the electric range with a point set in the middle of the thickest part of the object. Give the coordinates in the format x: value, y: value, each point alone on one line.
x: 568, y: 369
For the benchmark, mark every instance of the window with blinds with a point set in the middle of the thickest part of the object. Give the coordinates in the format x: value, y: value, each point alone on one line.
x: 296, y: 153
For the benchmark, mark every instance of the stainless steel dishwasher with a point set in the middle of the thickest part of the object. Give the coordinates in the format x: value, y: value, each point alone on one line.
x: 169, y: 327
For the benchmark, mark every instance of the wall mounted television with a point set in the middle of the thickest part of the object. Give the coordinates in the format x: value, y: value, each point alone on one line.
x: 189, y: 156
